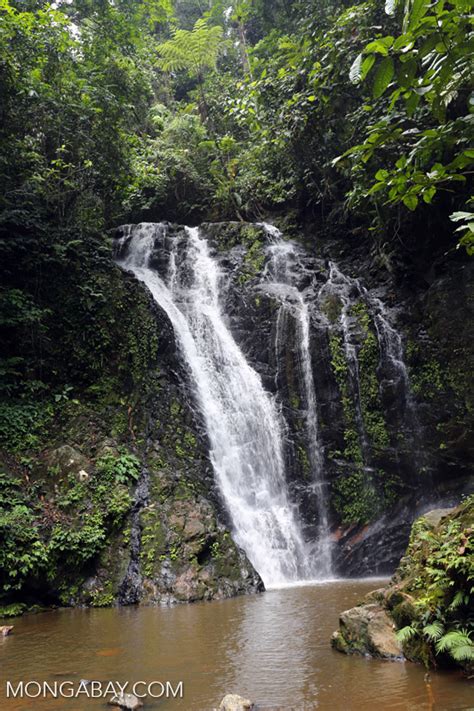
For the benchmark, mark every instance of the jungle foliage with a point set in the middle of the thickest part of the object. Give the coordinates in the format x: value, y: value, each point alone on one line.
x: 437, y: 623
x: 355, y: 117
x: 351, y: 118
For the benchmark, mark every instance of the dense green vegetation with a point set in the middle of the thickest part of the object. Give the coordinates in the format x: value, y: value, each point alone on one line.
x: 432, y: 604
x: 352, y: 119
x: 112, y: 111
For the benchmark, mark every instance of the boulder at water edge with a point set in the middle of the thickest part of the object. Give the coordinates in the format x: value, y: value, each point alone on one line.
x: 232, y: 702
x: 128, y: 702
x: 367, y: 629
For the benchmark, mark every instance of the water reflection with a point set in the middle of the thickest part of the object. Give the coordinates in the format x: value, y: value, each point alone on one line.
x: 273, y: 648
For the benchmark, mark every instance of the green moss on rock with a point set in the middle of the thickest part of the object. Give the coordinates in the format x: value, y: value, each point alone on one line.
x: 430, y: 598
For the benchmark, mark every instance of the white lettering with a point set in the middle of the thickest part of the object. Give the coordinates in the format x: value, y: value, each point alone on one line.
x: 29, y: 693
x: 14, y: 692
x: 156, y: 683
x: 174, y: 692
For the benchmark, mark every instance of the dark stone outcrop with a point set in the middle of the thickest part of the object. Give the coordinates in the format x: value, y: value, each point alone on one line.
x: 428, y: 598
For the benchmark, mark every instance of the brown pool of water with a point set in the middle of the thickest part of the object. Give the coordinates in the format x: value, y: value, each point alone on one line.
x: 273, y: 648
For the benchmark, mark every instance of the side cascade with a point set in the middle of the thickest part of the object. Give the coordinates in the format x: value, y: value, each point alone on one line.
x: 284, y: 264
x: 392, y: 371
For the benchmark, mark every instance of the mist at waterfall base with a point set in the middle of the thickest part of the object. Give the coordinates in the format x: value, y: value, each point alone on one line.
x: 244, y: 422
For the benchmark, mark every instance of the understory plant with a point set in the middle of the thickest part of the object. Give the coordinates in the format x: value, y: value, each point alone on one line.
x: 441, y: 564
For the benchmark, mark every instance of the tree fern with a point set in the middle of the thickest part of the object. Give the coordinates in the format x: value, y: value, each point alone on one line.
x: 191, y: 50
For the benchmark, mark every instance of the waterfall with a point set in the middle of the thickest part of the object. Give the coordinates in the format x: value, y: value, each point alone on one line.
x: 350, y: 291
x: 242, y: 420
x: 280, y: 278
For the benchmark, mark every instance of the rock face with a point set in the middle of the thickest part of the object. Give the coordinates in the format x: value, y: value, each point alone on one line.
x: 68, y: 460
x: 386, y: 361
x: 390, y: 356
x: 367, y: 629
x: 427, y: 598
x: 186, y: 554
x: 375, y: 408
x: 160, y: 535
x: 232, y: 702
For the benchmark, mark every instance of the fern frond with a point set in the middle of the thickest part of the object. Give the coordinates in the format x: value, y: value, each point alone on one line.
x: 405, y: 634
x: 355, y: 72
x: 456, y: 642
x: 458, y: 600
x: 390, y: 6
x: 463, y: 652
x: 194, y: 50
x: 433, y: 631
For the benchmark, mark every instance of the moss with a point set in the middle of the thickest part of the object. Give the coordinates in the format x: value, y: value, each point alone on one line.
x: 369, y: 358
x: 428, y: 380
x: 153, y: 540
x: 355, y: 497
x: 304, y: 462
x: 361, y: 496
x: 231, y: 234
x: 352, y: 450
x: 332, y: 307
x: 295, y: 401
x: 253, y: 262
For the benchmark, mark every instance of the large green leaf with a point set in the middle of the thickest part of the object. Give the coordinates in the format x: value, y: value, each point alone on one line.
x: 383, y: 76
x: 418, y: 10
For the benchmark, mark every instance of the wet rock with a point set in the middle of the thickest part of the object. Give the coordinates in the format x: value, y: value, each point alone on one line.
x: 232, y: 702
x: 186, y: 554
x: 69, y: 461
x: 128, y: 702
x: 367, y: 629
x: 433, y: 518
x: 5, y: 630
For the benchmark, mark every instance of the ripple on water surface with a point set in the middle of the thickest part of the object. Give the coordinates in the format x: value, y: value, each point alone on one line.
x: 273, y: 648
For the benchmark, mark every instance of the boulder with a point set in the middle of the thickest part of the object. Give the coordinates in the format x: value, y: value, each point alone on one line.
x: 232, y: 702
x: 367, y: 629
x: 69, y: 461
x: 5, y: 630
x: 433, y: 518
x: 128, y: 702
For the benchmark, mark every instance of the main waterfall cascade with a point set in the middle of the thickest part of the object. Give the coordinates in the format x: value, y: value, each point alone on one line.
x: 248, y: 434
x: 242, y: 420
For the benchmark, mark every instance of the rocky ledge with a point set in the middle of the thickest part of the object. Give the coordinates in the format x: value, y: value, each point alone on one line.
x: 423, y: 615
